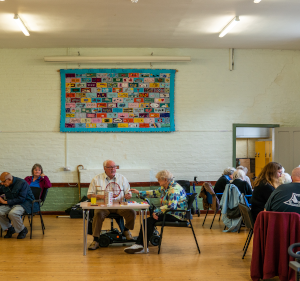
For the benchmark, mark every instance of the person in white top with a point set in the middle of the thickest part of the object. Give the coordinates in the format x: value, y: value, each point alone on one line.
x: 118, y: 184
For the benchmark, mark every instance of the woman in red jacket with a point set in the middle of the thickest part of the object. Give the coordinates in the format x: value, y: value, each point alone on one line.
x: 38, y: 178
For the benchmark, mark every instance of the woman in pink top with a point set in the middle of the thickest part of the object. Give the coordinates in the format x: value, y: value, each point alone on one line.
x: 38, y: 178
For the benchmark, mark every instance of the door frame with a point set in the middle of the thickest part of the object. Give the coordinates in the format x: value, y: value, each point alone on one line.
x: 235, y: 125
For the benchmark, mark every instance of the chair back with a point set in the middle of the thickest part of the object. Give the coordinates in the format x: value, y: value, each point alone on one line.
x: 36, y: 192
x: 190, y: 201
x: 43, y: 196
x: 185, y: 185
x: 209, y: 198
x: 247, y: 216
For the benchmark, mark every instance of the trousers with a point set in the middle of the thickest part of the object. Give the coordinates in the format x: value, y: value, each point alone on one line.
x: 14, y: 214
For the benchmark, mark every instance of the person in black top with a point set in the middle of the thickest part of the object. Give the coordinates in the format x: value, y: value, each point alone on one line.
x: 264, y: 185
x: 286, y: 198
x: 240, y: 183
x: 223, y: 180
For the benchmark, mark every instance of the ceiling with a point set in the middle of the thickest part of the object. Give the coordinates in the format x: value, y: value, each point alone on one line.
x: 271, y: 24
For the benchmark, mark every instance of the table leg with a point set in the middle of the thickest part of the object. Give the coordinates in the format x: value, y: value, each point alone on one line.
x: 144, y: 229
x: 85, y: 230
x: 145, y: 238
x: 84, y: 234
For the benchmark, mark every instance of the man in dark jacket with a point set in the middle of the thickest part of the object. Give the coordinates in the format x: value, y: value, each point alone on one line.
x: 15, y: 198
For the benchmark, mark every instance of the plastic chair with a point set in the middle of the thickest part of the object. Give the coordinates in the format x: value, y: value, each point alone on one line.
x: 187, y: 223
x: 185, y: 185
x: 247, y: 199
x: 248, y: 220
x: 40, y: 199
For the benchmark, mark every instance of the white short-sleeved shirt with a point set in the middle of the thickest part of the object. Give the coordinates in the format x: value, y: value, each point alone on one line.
x: 102, y: 183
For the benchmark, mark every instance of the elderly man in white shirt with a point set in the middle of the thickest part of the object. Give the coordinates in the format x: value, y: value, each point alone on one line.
x: 118, y: 184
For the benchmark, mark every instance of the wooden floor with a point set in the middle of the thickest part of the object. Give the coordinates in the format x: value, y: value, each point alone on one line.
x: 58, y: 255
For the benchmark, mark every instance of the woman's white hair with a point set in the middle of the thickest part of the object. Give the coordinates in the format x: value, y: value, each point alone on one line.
x: 242, y: 168
x: 285, y: 178
x: 239, y: 174
x: 229, y: 171
x: 164, y: 175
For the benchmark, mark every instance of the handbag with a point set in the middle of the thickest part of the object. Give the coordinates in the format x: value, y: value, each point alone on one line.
x: 233, y: 213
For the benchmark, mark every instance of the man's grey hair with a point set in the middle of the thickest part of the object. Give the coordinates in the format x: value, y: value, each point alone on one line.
x: 105, y: 162
x: 229, y: 171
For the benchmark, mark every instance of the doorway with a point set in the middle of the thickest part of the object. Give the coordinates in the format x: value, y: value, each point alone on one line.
x: 253, y: 146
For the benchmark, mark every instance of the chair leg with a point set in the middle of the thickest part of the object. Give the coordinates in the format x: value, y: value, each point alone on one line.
x: 194, y: 236
x: 212, y: 222
x: 224, y: 227
x: 205, y: 217
x: 246, y: 240
x: 42, y: 222
x: 1, y: 232
x: 31, y: 225
x: 220, y: 215
x: 161, y: 233
x: 251, y: 231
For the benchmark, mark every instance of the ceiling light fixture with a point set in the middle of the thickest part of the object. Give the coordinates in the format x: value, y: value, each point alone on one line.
x: 115, y: 59
x: 21, y: 25
x: 134, y: 1
x: 256, y: 1
x: 229, y: 26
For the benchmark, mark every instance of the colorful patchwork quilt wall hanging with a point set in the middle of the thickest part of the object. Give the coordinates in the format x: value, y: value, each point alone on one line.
x: 117, y: 100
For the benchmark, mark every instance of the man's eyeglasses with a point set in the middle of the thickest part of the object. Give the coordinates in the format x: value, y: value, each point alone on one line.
x: 2, y: 182
x: 112, y: 167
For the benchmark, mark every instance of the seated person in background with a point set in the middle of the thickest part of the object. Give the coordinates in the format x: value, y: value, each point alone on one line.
x: 172, y: 196
x: 284, y: 178
x: 264, y: 185
x: 286, y: 197
x: 38, y: 178
x: 121, y: 188
x: 238, y: 180
x: 223, y: 180
x: 246, y: 178
x: 18, y: 199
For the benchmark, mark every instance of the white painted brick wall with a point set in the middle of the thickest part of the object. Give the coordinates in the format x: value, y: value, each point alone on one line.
x: 132, y: 175
x: 263, y: 88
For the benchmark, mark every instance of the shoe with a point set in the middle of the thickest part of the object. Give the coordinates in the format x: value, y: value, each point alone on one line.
x: 94, y: 245
x: 23, y: 233
x: 10, y: 232
x: 135, y: 249
x: 128, y: 235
